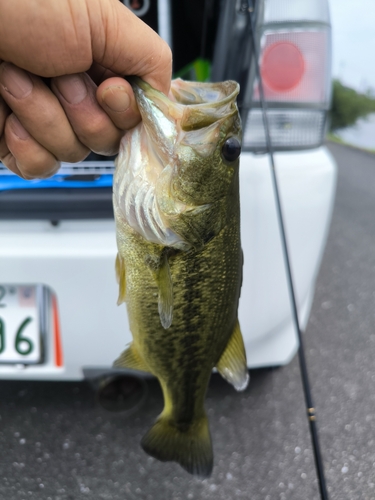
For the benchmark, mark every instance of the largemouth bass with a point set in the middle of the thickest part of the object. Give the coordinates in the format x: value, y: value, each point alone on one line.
x: 179, y: 262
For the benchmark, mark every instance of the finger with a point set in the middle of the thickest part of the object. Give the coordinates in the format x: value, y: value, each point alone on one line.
x: 40, y: 113
x: 7, y: 158
x: 4, y: 112
x: 116, y: 97
x: 124, y: 44
x: 98, y: 73
x: 92, y: 125
x: 25, y: 156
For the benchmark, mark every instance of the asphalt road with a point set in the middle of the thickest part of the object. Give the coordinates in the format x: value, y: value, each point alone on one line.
x: 57, y: 443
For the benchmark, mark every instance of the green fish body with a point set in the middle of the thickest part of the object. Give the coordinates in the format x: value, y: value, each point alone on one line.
x: 179, y: 263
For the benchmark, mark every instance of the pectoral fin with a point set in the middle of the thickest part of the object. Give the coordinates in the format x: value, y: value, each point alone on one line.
x: 121, y: 280
x: 165, y: 286
x: 131, y: 359
x: 232, y: 365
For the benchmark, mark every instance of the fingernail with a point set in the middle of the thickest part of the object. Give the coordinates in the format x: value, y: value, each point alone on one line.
x: 17, y: 128
x: 72, y: 88
x: 16, y: 81
x: 116, y: 98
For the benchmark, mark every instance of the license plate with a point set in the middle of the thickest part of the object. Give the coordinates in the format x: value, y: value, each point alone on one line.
x: 21, y: 324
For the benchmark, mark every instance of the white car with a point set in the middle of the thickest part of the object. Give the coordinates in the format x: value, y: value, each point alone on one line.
x: 58, y: 314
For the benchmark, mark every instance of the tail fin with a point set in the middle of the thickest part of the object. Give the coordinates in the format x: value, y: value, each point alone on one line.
x: 191, y: 448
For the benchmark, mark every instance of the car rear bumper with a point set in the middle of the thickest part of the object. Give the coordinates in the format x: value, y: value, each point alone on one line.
x: 75, y: 259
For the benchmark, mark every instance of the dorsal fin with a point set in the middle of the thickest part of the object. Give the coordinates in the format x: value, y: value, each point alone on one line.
x: 232, y: 365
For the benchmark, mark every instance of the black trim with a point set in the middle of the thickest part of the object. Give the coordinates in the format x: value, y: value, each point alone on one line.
x: 56, y: 204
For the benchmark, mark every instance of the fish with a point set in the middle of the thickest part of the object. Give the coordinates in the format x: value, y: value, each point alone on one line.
x: 179, y: 262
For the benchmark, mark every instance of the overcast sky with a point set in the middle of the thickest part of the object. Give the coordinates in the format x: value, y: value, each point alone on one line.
x: 353, y: 38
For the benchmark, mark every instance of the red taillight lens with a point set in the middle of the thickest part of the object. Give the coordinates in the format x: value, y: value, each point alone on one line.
x: 282, y: 67
x: 295, y: 66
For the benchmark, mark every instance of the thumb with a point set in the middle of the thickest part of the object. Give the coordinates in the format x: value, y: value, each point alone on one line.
x: 124, y: 44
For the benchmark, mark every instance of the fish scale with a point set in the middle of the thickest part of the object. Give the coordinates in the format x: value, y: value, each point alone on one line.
x: 182, y: 300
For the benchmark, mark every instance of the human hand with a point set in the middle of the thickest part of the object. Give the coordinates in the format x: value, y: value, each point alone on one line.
x: 82, y: 45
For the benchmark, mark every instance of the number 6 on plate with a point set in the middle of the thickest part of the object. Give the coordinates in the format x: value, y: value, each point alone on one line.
x: 19, y: 339
x: 2, y: 336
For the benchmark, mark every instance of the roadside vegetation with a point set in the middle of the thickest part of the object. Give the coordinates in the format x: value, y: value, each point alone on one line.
x: 348, y: 106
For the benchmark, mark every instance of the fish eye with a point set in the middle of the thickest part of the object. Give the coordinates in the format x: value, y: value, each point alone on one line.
x: 231, y: 149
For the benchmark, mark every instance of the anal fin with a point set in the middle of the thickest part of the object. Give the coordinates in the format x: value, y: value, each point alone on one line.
x: 121, y: 280
x: 232, y: 365
x: 131, y: 359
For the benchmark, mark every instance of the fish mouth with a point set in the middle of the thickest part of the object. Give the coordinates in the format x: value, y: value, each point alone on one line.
x: 190, y: 106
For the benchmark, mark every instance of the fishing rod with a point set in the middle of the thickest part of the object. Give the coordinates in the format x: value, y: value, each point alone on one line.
x: 311, y: 412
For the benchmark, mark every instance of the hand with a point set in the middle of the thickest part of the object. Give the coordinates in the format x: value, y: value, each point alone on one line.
x: 82, y: 46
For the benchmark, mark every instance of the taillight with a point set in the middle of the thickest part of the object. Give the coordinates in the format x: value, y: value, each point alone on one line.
x: 295, y: 66
x: 283, y: 66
